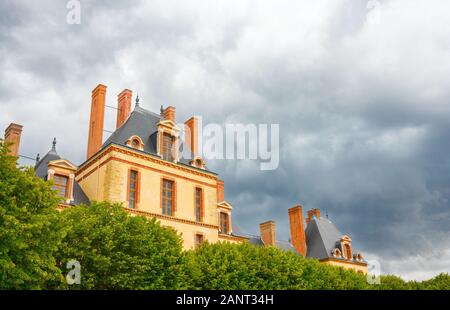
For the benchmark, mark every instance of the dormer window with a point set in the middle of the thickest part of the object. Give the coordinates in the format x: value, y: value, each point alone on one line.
x: 346, y: 247
x: 198, y: 162
x: 135, y: 142
x: 60, y: 185
x: 167, y: 146
x: 347, y: 251
x: 336, y: 253
x: 224, y: 223
x: 358, y: 257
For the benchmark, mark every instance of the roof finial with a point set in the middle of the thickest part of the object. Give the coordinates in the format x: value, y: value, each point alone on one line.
x: 38, y: 158
x: 54, y: 144
x: 137, y: 100
x: 162, y: 110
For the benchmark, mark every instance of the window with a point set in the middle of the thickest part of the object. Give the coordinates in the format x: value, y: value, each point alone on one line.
x: 167, y: 147
x: 198, y: 204
x: 168, y: 194
x: 347, y: 251
x: 224, y: 223
x: 135, y: 143
x: 199, y: 238
x: 133, y: 189
x: 60, y: 184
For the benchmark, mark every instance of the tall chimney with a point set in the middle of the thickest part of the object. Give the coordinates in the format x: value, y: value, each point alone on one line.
x: 12, y: 135
x: 297, y: 229
x: 97, y: 119
x: 191, y: 126
x: 169, y: 113
x: 123, y: 107
x: 313, y: 212
x: 220, y: 190
x: 268, y: 233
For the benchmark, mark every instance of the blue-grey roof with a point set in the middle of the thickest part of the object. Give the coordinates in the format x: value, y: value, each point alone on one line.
x: 321, y: 238
x: 141, y: 123
x: 41, y: 170
x: 283, y: 245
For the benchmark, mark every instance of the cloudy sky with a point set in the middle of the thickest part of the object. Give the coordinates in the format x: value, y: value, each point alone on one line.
x: 360, y: 89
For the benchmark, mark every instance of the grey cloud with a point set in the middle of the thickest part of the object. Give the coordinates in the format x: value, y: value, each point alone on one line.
x: 363, y: 109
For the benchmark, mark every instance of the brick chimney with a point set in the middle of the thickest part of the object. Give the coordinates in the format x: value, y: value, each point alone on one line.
x: 313, y: 212
x: 268, y: 233
x: 123, y: 107
x: 12, y: 135
x: 95, y: 137
x: 220, y: 190
x: 169, y: 113
x: 191, y: 127
x: 297, y: 229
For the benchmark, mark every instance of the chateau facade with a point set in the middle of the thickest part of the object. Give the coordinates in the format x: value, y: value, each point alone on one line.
x: 139, y: 166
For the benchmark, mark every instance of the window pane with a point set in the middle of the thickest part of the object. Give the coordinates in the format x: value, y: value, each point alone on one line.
x: 132, y: 189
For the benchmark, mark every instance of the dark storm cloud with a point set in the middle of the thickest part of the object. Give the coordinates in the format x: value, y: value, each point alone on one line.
x: 363, y: 108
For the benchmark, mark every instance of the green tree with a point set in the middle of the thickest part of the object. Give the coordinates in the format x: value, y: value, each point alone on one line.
x: 440, y: 282
x: 119, y: 251
x: 246, y: 266
x: 29, y: 228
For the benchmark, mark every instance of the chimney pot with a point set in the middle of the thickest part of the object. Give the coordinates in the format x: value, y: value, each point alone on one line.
x: 97, y: 119
x: 191, y: 139
x: 298, y: 238
x: 123, y: 107
x: 268, y: 233
x: 169, y: 113
x: 12, y: 135
x: 313, y: 212
x: 220, y: 191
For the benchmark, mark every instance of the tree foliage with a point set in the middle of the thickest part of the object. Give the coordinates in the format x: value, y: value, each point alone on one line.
x: 29, y: 228
x: 245, y: 266
x: 119, y: 251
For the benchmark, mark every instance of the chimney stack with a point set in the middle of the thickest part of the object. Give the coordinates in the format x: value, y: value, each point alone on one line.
x: 220, y: 191
x: 95, y: 138
x: 191, y: 128
x: 12, y: 135
x: 169, y: 113
x: 268, y: 233
x: 123, y: 107
x: 298, y: 238
x: 313, y: 212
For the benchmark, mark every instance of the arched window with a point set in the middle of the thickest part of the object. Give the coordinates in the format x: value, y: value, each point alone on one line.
x: 135, y: 142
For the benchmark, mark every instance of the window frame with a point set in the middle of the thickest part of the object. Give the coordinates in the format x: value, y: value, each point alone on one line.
x: 136, y: 190
x: 198, y: 243
x: 166, y: 152
x: 57, y: 186
x: 226, y: 224
x: 173, y: 197
x: 199, y: 208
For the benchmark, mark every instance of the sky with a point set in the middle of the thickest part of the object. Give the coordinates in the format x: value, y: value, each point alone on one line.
x: 360, y: 90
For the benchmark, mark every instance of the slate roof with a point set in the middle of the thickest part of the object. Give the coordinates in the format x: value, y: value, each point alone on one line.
x: 41, y: 170
x: 283, y: 245
x: 321, y: 238
x: 141, y: 123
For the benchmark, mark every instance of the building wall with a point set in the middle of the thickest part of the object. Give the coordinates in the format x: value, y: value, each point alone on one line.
x: 358, y: 267
x: 106, y: 179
